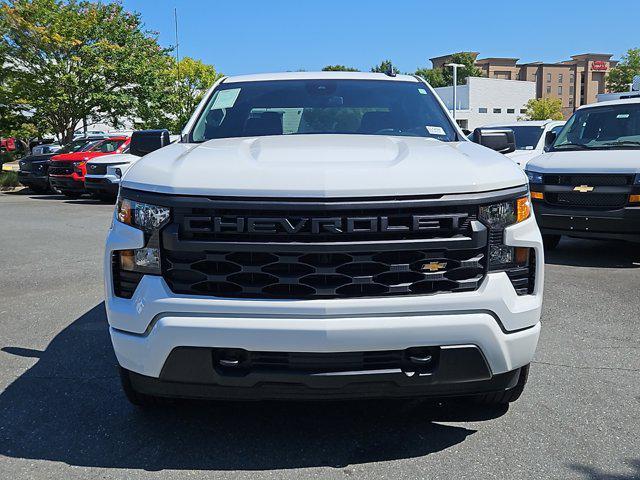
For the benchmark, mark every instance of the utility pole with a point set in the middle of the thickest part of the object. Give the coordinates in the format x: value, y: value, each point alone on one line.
x: 455, y: 67
x: 175, y: 18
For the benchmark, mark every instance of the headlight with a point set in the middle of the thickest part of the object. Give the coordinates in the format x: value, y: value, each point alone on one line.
x: 77, y: 165
x: 142, y: 215
x: 636, y: 181
x: 500, y: 215
x: 534, y: 177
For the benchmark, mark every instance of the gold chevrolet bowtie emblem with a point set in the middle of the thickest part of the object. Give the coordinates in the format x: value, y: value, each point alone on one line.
x: 434, y: 266
x: 583, y: 188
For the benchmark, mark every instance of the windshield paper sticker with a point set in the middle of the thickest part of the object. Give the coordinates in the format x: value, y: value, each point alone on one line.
x: 226, y: 98
x: 435, y: 130
x: 422, y: 91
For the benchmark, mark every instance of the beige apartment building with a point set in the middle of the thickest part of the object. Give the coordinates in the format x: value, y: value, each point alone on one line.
x: 576, y: 82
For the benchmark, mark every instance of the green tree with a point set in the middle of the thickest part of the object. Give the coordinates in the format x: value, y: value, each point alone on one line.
x: 544, y: 109
x: 180, y: 88
x: 339, y: 68
x: 433, y: 76
x: 73, y: 59
x: 384, y: 67
x: 469, y: 69
x: 622, y: 74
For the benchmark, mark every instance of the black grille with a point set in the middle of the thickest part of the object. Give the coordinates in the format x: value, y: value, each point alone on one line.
x: 593, y: 180
x: 323, y: 275
x: 447, y: 254
x: 588, y: 199
x: 97, y: 169
x: 325, y: 362
x: 444, y: 222
x: 60, y: 168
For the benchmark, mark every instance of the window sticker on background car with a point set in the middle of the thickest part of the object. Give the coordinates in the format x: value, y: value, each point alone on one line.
x: 435, y: 130
x: 226, y: 98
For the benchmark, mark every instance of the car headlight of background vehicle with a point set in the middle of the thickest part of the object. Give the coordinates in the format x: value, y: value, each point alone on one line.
x: 535, y: 178
x: 517, y: 262
x: 146, y: 260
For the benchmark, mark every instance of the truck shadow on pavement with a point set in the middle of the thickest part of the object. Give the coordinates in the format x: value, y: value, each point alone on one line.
x: 69, y: 408
x: 594, y: 253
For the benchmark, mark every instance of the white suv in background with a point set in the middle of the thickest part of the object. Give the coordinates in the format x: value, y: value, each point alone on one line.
x: 104, y: 173
x: 530, y: 137
x: 323, y: 235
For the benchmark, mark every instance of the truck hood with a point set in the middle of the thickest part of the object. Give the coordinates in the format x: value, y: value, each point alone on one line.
x: 584, y: 161
x: 323, y: 166
x: 115, y: 158
x: 522, y: 157
x: 76, y: 156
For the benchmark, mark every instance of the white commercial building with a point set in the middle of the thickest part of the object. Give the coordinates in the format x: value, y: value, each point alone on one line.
x: 488, y: 100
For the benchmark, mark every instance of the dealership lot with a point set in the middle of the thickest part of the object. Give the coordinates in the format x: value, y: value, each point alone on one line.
x: 62, y: 413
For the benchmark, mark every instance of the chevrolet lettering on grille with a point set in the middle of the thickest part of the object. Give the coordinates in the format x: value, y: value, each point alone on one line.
x: 320, y: 225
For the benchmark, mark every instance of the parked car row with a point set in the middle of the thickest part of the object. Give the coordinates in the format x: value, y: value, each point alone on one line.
x: 79, y: 167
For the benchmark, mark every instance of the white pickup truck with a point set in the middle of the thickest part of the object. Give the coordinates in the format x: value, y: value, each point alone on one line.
x: 587, y: 183
x: 323, y: 235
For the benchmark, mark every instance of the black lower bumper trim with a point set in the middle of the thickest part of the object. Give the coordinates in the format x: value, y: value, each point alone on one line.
x: 615, y: 224
x: 29, y: 180
x: 101, y: 185
x: 192, y: 373
x: 67, y: 184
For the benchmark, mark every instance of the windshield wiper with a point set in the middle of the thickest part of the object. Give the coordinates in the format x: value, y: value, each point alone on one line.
x: 623, y: 142
x: 579, y: 145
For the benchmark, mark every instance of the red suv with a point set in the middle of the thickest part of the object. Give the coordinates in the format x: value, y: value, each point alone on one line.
x: 67, y: 171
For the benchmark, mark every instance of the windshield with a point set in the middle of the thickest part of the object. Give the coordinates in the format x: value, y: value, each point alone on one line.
x: 74, y: 146
x: 294, y: 107
x: 527, y: 137
x: 108, y: 146
x: 615, y: 126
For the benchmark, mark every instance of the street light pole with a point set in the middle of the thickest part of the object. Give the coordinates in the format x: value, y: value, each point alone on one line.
x: 455, y: 67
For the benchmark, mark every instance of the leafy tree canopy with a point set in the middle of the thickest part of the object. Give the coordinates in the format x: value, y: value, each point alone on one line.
x: 180, y: 88
x: 544, y: 109
x: 384, y: 67
x: 433, y: 76
x: 339, y: 68
x: 622, y: 74
x: 74, y: 59
x: 443, y: 77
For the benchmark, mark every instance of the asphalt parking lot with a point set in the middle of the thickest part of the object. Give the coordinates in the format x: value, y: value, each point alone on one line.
x: 62, y: 414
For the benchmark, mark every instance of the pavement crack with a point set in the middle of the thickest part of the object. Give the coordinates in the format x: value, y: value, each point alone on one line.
x: 581, y: 367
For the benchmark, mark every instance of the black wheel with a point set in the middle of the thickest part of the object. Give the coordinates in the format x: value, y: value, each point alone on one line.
x: 551, y: 241
x: 140, y: 399
x: 508, y: 396
x: 69, y: 194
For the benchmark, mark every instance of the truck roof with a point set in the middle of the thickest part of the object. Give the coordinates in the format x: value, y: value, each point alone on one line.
x: 262, y: 77
x: 612, y: 102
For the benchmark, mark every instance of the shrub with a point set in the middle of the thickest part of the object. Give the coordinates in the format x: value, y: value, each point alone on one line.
x: 8, y: 180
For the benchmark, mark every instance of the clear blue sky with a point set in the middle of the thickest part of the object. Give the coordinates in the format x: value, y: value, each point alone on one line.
x: 246, y: 36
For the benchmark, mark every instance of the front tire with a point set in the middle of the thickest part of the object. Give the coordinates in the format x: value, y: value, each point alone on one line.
x: 551, y: 241
x: 497, y: 399
x: 140, y: 400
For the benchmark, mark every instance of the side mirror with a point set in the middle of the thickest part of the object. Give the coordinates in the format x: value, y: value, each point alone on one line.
x: 549, y: 138
x: 147, y: 141
x: 502, y: 141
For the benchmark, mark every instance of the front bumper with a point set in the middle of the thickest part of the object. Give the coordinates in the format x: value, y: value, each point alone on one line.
x: 615, y: 224
x: 29, y: 179
x: 147, y: 329
x: 102, y: 184
x: 67, y: 183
